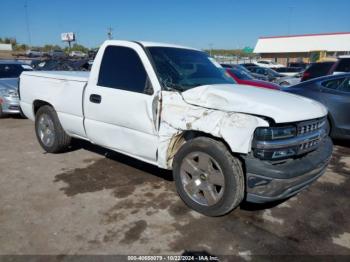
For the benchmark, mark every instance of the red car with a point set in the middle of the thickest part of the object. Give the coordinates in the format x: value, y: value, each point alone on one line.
x: 244, y: 78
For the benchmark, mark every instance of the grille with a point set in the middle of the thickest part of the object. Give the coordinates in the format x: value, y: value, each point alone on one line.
x: 310, y: 145
x: 14, y: 107
x: 311, y: 126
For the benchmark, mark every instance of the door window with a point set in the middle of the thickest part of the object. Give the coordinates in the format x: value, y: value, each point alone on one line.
x: 345, y: 87
x: 333, y: 84
x: 122, y: 68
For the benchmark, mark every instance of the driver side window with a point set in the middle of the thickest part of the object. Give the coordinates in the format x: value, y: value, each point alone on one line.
x: 345, y: 87
x: 122, y: 68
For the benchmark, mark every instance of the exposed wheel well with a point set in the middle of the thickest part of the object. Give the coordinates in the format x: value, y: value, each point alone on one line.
x: 180, y: 139
x: 39, y: 103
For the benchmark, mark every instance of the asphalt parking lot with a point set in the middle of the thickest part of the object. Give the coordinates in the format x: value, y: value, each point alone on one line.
x: 93, y: 201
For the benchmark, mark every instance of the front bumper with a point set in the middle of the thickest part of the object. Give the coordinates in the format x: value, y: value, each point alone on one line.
x: 266, y: 182
x: 10, y: 105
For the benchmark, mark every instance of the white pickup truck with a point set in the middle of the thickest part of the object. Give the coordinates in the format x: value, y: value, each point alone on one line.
x: 174, y: 107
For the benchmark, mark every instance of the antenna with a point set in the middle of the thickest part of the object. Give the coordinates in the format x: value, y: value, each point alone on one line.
x: 110, y: 33
x: 27, y: 22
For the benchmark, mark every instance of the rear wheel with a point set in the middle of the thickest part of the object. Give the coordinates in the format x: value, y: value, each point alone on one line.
x: 208, y: 178
x: 48, y: 129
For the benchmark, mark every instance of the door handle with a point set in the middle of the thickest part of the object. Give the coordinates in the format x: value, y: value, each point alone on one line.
x: 95, y: 99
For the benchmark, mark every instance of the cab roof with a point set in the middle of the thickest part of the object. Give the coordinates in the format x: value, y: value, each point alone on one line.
x: 149, y: 44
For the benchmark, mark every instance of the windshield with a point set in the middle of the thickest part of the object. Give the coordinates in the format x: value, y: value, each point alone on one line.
x: 183, y: 69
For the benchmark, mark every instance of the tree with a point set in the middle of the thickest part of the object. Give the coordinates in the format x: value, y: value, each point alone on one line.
x: 77, y: 47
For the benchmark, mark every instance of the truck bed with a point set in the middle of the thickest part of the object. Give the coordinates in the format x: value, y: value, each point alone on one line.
x: 62, y: 75
x: 63, y: 90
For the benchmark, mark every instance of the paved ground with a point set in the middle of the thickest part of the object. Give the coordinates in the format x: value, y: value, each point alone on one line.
x: 93, y: 201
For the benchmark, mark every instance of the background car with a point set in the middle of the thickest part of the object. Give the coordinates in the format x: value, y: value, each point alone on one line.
x: 271, y: 74
x: 288, y: 80
x: 334, y: 92
x: 255, y: 76
x: 289, y: 71
x: 267, y: 63
x: 56, y: 54
x: 244, y: 78
x: 77, y: 54
x: 246, y: 65
x: 64, y: 65
x: 341, y: 65
x: 34, y: 53
x: 298, y: 64
x: 317, y: 70
x: 9, y: 75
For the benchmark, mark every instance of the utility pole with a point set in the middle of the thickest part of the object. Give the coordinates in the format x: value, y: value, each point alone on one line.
x: 27, y: 22
x: 211, y: 49
x: 110, y: 33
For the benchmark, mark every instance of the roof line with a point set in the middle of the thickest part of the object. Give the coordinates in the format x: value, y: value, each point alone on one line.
x: 288, y: 36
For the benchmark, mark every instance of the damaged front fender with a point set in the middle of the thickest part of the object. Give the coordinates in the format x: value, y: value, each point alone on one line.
x: 177, y: 116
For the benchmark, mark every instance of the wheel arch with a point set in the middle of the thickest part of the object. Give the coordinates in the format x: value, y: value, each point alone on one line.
x: 178, y: 140
x: 37, y: 104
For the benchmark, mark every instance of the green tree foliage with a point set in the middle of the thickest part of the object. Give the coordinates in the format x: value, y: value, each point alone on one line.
x: 229, y: 52
x: 77, y: 47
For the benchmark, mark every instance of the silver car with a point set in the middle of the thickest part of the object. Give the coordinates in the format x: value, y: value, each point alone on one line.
x: 9, y: 77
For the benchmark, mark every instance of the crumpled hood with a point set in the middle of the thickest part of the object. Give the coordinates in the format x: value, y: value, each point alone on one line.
x: 8, y: 83
x: 280, y: 106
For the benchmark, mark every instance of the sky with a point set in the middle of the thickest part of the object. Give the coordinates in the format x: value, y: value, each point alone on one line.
x: 226, y: 24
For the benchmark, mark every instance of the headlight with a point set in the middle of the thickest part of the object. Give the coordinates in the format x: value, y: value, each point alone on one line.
x: 268, y: 134
x: 274, y: 133
x: 11, y: 93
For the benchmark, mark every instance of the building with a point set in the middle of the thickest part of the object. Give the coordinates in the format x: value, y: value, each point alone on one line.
x: 5, y: 47
x: 307, y: 48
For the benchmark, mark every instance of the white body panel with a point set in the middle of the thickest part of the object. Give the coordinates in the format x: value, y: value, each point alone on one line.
x: 144, y: 126
x: 63, y: 90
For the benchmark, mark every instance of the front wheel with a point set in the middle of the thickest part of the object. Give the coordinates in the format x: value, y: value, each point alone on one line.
x: 48, y: 129
x: 208, y: 178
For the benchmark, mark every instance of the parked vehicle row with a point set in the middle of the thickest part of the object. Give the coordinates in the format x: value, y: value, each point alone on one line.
x: 342, y: 65
x: 224, y: 142
x: 54, y: 54
x: 9, y: 75
x: 333, y: 92
x: 241, y: 76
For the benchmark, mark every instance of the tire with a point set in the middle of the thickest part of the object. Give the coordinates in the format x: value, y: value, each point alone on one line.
x: 222, y: 181
x: 49, y: 132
